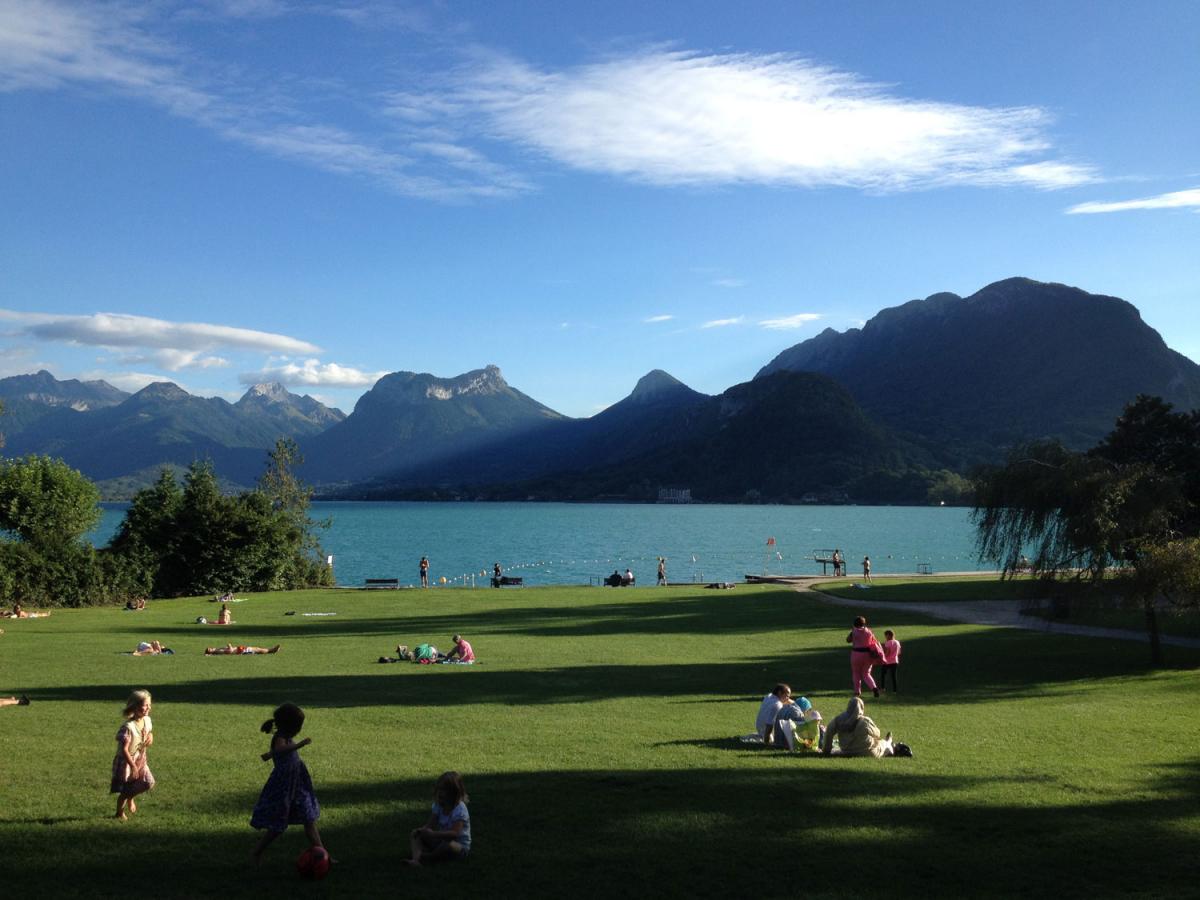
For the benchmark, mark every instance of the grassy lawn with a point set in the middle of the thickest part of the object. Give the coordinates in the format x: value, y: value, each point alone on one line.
x: 934, y: 588
x: 596, y: 741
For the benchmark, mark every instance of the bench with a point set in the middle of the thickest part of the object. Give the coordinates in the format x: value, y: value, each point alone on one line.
x: 381, y: 584
x: 924, y: 568
x: 506, y: 581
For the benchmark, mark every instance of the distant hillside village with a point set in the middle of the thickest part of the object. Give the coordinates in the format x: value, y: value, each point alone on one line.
x: 898, y: 411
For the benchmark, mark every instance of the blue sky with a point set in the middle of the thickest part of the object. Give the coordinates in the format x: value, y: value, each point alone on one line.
x: 219, y: 193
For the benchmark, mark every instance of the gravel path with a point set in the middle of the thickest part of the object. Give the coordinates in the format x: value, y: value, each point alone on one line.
x: 1004, y: 613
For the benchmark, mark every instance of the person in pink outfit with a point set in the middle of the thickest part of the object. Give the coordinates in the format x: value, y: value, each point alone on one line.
x: 462, y: 651
x: 891, y: 661
x: 860, y: 639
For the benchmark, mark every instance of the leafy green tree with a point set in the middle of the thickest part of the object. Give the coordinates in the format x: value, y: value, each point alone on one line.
x: 195, y: 540
x: 45, y: 502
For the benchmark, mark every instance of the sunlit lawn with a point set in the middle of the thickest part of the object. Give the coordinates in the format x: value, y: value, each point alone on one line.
x: 596, y: 739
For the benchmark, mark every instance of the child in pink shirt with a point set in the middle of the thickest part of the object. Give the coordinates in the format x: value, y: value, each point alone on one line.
x: 891, y: 661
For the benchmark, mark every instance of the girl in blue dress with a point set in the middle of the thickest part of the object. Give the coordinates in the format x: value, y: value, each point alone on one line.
x: 287, y: 798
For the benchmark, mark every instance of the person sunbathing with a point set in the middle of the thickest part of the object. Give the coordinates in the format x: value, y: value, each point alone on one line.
x: 19, y: 612
x: 224, y: 617
x: 151, y: 648
x: 238, y: 650
x: 14, y: 701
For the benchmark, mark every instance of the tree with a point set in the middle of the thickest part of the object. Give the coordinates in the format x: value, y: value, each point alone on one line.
x: 196, y: 540
x: 45, y: 502
x: 1168, y: 573
x: 1121, y: 504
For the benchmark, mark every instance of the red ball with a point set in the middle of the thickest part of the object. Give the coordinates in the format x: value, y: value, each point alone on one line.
x: 313, y: 863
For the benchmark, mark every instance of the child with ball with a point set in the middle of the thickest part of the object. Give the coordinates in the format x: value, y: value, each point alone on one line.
x: 447, y: 834
x: 288, y: 797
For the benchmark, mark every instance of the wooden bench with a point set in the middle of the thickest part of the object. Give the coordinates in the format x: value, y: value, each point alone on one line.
x: 924, y: 568
x: 381, y: 584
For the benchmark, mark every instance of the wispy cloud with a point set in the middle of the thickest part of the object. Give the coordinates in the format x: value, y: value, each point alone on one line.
x: 1174, y: 200
x: 312, y: 372
x: 678, y: 117
x: 788, y: 323
x: 729, y: 282
x: 174, y: 345
x: 723, y: 323
x: 48, y: 45
x: 663, y: 318
x: 661, y: 117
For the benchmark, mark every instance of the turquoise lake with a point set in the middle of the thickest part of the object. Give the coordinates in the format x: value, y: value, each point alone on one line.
x: 566, y: 543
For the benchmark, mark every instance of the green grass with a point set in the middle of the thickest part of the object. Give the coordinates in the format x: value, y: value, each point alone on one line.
x: 596, y: 741
x: 935, y: 588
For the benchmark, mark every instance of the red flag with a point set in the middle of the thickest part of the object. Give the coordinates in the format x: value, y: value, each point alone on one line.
x: 770, y: 542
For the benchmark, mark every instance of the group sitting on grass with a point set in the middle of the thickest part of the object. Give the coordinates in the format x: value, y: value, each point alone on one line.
x: 427, y: 654
x: 786, y: 722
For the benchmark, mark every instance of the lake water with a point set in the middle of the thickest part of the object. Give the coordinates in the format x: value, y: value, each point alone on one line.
x: 566, y: 543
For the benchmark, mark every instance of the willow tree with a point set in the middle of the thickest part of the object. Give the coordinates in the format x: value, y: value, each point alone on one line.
x: 1117, y: 505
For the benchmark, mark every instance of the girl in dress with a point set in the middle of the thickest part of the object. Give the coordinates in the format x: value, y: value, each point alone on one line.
x: 287, y: 798
x: 130, y: 771
x: 447, y: 834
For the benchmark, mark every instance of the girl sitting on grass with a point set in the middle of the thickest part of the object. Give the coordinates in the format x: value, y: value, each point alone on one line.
x: 287, y: 798
x: 130, y: 770
x: 447, y: 834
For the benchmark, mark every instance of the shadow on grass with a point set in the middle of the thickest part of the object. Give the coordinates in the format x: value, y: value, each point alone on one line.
x: 938, y: 669
x: 668, y: 833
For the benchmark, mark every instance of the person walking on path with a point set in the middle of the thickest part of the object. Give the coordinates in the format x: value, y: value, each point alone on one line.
x: 839, y: 563
x: 860, y: 639
x: 130, y: 770
x: 662, y: 571
x: 424, y: 571
x: 866, y: 568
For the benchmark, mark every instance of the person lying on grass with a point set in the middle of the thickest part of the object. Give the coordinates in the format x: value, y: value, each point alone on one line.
x: 238, y: 650
x: 14, y: 701
x: 447, y: 834
x: 19, y: 612
x: 151, y: 648
x: 856, y: 734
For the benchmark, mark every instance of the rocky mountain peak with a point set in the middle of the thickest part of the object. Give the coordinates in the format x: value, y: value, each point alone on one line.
x: 655, y: 382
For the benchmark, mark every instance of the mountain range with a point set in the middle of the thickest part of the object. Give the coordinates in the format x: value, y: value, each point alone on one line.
x: 922, y: 391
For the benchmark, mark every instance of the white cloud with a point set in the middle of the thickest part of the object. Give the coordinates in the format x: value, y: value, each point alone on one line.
x: 126, y: 381
x: 676, y: 117
x: 729, y: 282
x: 47, y: 45
x: 790, y: 322
x: 722, y: 323
x: 119, y: 330
x: 175, y: 360
x: 1174, y: 200
x: 655, y: 116
x: 313, y: 372
x: 663, y: 318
